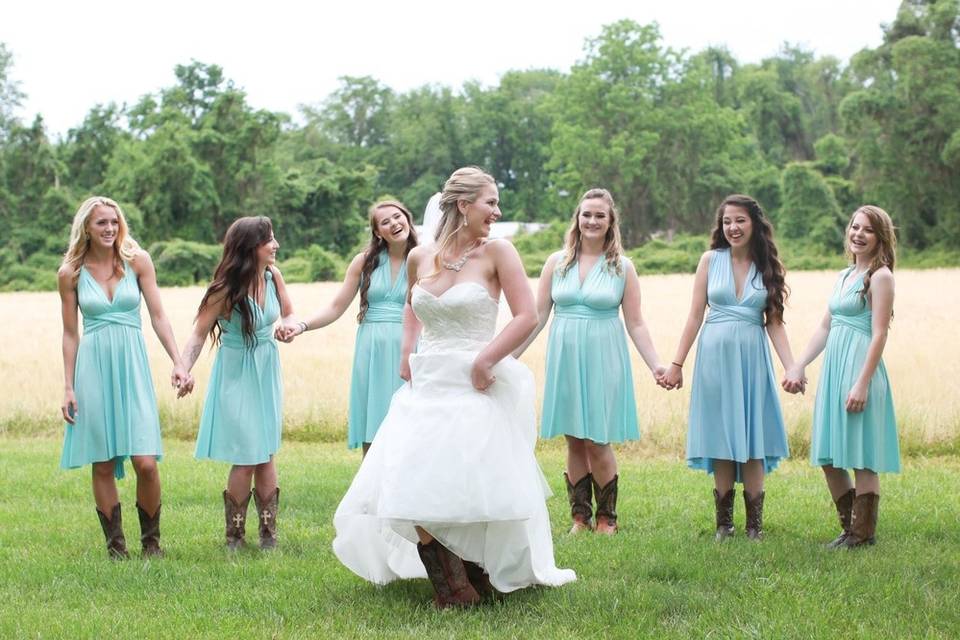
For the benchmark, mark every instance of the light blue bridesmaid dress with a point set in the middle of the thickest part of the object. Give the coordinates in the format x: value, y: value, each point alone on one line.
x: 734, y: 407
x: 242, y: 412
x: 864, y: 440
x: 376, y: 354
x: 116, y: 405
x: 588, y: 392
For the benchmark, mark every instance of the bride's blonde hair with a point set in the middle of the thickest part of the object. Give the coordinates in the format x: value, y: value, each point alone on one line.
x: 463, y: 184
x: 124, y: 247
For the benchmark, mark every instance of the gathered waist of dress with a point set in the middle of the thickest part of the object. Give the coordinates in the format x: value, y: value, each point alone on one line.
x: 734, y: 313
x: 384, y: 312
x: 860, y: 324
x: 442, y: 345
x: 585, y: 312
x: 92, y: 324
x: 235, y: 340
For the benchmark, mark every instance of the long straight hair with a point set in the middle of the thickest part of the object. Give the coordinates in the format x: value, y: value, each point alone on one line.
x: 763, y: 252
x: 237, y: 273
x: 124, y: 246
x: 376, y: 246
x: 612, y: 246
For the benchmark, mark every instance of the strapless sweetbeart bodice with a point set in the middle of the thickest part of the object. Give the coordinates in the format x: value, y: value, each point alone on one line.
x: 464, y: 317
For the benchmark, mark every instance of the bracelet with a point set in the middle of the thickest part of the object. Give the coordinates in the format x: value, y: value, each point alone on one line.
x: 677, y: 364
x: 303, y: 326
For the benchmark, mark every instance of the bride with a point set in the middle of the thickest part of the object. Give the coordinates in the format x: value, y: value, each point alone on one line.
x: 450, y: 488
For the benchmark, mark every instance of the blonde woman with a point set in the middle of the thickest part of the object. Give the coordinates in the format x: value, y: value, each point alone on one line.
x: 854, y: 425
x: 379, y: 274
x: 109, y: 402
x: 450, y: 488
x: 588, y: 395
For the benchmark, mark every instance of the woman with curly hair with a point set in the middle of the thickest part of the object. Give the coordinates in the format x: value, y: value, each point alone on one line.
x: 854, y: 425
x: 736, y: 430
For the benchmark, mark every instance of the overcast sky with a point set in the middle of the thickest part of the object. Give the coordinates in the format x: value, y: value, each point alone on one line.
x: 69, y: 56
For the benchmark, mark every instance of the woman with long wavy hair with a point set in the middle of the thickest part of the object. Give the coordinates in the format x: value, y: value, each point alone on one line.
x: 242, y: 412
x: 379, y: 273
x: 450, y: 488
x: 854, y: 425
x: 736, y: 430
x: 109, y: 402
x: 588, y: 395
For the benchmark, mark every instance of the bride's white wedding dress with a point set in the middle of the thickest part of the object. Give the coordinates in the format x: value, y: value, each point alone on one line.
x: 453, y: 460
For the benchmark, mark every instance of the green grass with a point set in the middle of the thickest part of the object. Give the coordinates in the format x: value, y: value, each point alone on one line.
x: 662, y: 576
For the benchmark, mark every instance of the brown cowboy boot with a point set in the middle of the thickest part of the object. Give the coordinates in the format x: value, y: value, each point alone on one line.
x: 448, y: 576
x: 844, y: 506
x: 236, y: 516
x: 606, y: 507
x: 863, y: 521
x: 581, y: 502
x: 480, y: 580
x: 150, y: 533
x: 754, y: 507
x: 113, y: 532
x: 267, y: 512
x: 724, y: 508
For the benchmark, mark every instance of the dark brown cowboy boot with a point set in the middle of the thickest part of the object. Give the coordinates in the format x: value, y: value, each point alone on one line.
x: 448, y: 576
x: 606, y: 507
x: 267, y: 513
x: 150, y: 533
x: 113, y: 532
x: 480, y: 580
x: 754, y: 507
x: 724, y: 507
x: 844, y: 506
x: 581, y: 502
x: 236, y: 516
x: 863, y: 521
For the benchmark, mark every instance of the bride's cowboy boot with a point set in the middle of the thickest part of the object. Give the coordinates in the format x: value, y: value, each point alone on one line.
x: 267, y: 513
x: 754, y: 507
x: 863, y: 521
x: 606, y: 507
x: 113, y: 532
x: 724, y: 507
x: 480, y: 580
x: 844, y: 506
x: 150, y: 533
x: 448, y: 576
x: 580, y: 495
x: 236, y: 516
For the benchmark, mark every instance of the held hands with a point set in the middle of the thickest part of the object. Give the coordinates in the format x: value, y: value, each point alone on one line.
x: 671, y: 378
x: 288, y: 330
x: 658, y: 372
x: 794, y: 380
x: 69, y: 407
x: 481, y: 375
x: 857, y: 398
x: 181, y: 380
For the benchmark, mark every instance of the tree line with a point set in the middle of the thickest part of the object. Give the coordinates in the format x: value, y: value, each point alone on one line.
x: 669, y: 132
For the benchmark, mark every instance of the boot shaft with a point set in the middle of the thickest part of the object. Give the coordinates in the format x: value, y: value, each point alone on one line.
x: 113, y: 532
x: 267, y: 515
x: 863, y: 520
x: 235, y: 514
x: 754, y: 509
x: 580, y: 495
x: 149, y: 532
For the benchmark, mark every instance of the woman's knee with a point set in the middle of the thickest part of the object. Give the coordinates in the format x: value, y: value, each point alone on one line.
x: 145, y: 467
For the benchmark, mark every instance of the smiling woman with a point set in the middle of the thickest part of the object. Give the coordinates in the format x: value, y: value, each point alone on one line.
x: 109, y: 402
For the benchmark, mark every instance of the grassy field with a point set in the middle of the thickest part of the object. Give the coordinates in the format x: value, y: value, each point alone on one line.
x: 922, y: 356
x: 661, y: 577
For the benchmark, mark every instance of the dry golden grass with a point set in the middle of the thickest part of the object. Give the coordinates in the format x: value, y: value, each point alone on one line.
x: 316, y: 367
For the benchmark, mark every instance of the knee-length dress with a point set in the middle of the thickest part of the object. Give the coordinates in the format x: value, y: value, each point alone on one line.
x: 376, y: 354
x: 116, y: 405
x: 588, y: 392
x: 864, y: 440
x: 242, y: 412
x: 735, y: 411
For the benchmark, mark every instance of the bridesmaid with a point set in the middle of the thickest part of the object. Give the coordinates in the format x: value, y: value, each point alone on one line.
x: 854, y: 426
x: 380, y: 274
x: 588, y: 395
x: 109, y: 402
x: 736, y: 428
x: 242, y: 413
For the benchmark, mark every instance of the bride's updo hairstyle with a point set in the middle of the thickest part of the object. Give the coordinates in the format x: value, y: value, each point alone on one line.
x: 463, y: 184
